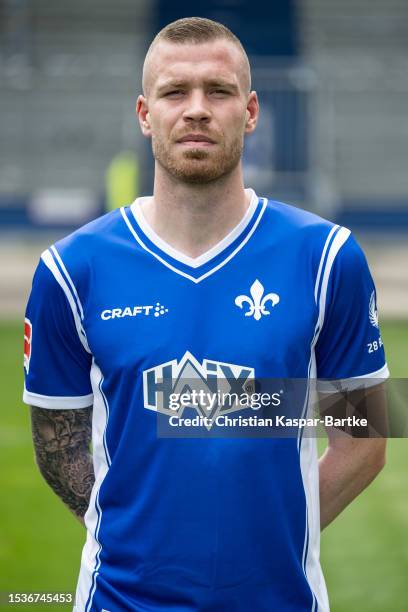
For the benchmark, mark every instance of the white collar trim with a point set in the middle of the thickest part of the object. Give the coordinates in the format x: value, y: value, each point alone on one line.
x: 194, y: 262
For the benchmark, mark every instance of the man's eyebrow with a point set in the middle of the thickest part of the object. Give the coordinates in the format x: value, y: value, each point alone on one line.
x: 209, y: 83
x: 222, y: 83
x: 171, y: 83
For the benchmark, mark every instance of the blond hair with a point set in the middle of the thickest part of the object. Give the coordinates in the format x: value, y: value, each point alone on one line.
x: 197, y: 30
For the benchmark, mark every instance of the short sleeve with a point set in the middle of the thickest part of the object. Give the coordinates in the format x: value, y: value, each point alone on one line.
x: 57, y: 361
x: 350, y: 344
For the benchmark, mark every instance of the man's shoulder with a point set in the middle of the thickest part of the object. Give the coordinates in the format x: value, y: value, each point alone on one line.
x: 101, y: 230
x: 77, y: 253
x: 294, y: 217
x: 297, y: 228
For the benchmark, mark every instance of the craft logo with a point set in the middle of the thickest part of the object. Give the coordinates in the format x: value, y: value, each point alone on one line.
x: 208, y: 385
x: 28, y: 334
x: 157, y: 310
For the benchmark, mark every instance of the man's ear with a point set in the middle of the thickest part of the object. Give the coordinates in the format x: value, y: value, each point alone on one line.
x: 142, y: 111
x: 252, y: 112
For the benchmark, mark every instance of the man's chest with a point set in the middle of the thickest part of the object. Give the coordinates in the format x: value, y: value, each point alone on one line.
x: 260, y: 316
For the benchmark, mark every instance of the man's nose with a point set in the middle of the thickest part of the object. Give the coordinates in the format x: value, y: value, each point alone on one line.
x: 197, y: 107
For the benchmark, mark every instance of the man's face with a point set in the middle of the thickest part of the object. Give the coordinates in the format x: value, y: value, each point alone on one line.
x: 197, y: 108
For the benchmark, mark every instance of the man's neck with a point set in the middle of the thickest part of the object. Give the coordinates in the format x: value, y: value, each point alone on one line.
x: 193, y: 218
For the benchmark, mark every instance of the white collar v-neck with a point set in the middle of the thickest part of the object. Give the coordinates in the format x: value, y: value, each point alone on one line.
x: 193, y: 262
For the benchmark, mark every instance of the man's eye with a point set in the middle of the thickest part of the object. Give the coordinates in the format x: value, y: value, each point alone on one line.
x: 220, y: 92
x: 173, y: 92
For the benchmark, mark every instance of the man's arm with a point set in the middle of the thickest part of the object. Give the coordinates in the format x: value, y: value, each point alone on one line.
x: 350, y: 464
x: 62, y: 447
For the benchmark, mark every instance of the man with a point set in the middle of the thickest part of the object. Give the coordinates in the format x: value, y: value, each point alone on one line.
x: 203, y: 280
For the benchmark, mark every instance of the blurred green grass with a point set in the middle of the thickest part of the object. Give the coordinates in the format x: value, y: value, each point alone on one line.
x: 40, y: 542
x: 364, y: 552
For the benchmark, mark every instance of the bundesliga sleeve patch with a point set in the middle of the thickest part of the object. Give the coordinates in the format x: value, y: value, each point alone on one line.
x: 28, y: 334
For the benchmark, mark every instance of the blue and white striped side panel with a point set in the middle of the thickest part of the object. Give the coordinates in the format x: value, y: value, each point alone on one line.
x: 54, y: 263
x: 308, y: 446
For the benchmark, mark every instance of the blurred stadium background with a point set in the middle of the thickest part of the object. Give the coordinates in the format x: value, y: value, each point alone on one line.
x: 332, y: 77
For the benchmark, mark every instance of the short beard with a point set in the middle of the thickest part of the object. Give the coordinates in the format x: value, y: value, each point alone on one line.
x: 192, y: 167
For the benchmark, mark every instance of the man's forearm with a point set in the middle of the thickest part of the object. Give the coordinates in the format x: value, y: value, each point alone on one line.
x: 347, y: 468
x: 62, y: 447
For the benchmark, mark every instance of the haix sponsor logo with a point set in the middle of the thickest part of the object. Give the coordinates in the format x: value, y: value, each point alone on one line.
x: 155, y: 310
x: 212, y: 385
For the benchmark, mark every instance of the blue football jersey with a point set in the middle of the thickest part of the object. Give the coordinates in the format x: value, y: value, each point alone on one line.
x: 116, y: 314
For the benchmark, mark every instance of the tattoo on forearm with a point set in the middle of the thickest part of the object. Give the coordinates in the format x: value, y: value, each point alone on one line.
x: 62, y: 447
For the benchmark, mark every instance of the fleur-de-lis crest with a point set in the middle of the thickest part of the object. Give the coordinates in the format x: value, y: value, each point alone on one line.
x: 258, y: 301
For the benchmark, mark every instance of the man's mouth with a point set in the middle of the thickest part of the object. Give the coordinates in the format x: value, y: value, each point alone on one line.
x: 196, y: 140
